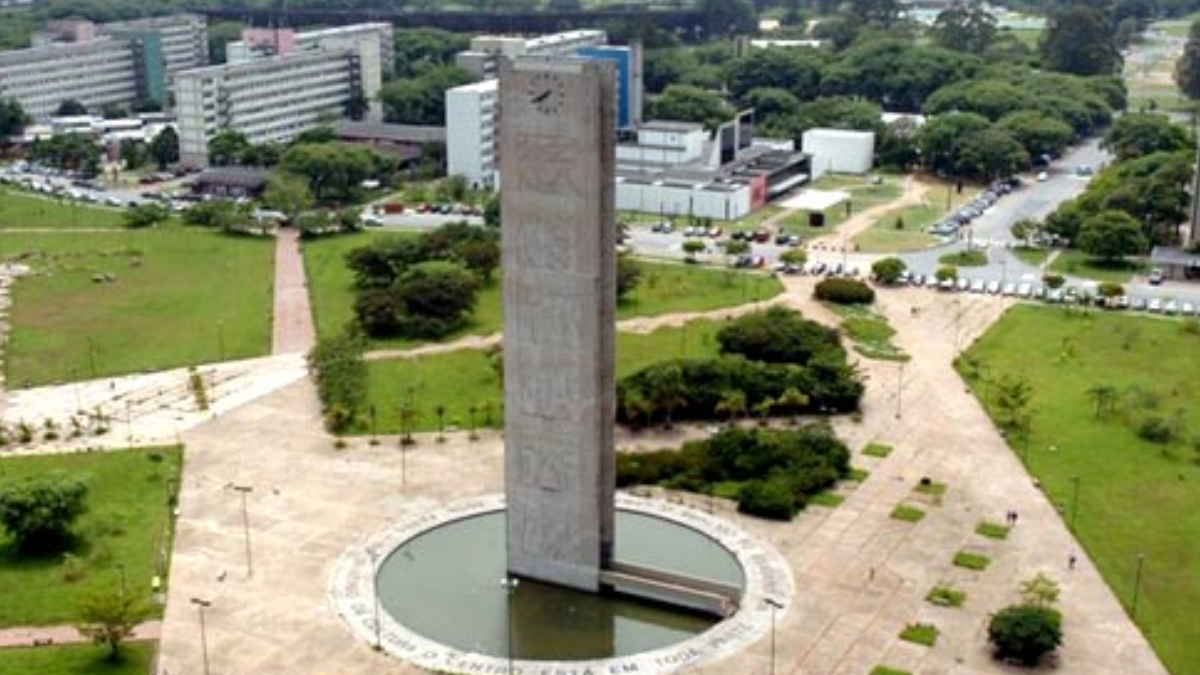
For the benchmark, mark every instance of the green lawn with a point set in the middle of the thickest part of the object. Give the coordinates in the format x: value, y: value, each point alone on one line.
x: 664, y: 288
x: 465, y: 378
x: 125, y: 523
x: 885, y: 237
x: 1135, y: 497
x: 77, y: 660
x: 177, y: 296
x: 1079, y: 264
x: 1031, y: 256
x: 19, y: 209
x: 971, y: 258
x: 870, y: 332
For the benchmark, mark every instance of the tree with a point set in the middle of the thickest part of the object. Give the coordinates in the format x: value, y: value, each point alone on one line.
x: 220, y: 214
x: 991, y: 98
x: 737, y: 247
x: 422, y: 99
x: 728, y: 17
x: 133, y: 153
x: 113, y: 111
x: 774, y: 109
x: 691, y: 104
x: 940, y: 138
x: 1104, y: 396
x: 667, y: 391
x: 732, y: 405
x: 108, y: 617
x: 334, y: 171
x: 1025, y: 229
x: 882, y: 12
x: 795, y: 71
x: 990, y: 153
x: 964, y: 28
x: 70, y: 108
x: 946, y: 272
x: 691, y: 247
x: 1040, y: 590
x: 794, y: 256
x: 340, y: 372
x: 1187, y: 68
x: 629, y: 273
x: 896, y: 73
x: 419, y: 49
x: 288, y: 194
x: 39, y: 512
x: 839, y: 112
x: 144, y: 215
x: 1039, y: 133
x: 437, y: 297
x: 1079, y: 39
x: 1136, y: 135
x: 1025, y: 632
x: 12, y: 119
x: 888, y: 270
x: 164, y: 148
x: 1111, y: 235
x: 227, y: 147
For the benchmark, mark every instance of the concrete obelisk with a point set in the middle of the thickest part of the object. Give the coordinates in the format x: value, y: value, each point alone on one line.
x: 557, y: 158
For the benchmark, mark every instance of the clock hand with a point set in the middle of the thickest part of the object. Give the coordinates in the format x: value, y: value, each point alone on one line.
x: 540, y: 97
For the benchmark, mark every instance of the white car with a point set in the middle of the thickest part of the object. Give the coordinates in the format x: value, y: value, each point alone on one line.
x: 1155, y: 305
x: 1187, y: 309
x: 1170, y: 307
x: 978, y: 286
x: 1042, y: 176
x: 1009, y: 289
x: 993, y: 287
x: 1025, y: 289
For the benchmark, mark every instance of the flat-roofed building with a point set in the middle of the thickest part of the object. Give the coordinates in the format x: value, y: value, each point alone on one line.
x: 96, y: 73
x: 486, y: 50
x: 269, y: 100
x: 471, y: 132
x: 183, y: 39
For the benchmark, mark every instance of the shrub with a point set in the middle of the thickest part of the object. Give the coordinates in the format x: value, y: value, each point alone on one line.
x: 1054, y: 280
x: 969, y: 258
x: 844, y: 291
x: 946, y: 272
x: 992, y: 530
x: 909, y: 514
x: 1110, y: 289
x: 888, y: 270
x: 1025, y: 633
x: 944, y: 596
x: 888, y: 670
x: 971, y: 561
x: 877, y: 450
x: 39, y: 512
x: 780, y: 335
x: 1156, y: 430
x: 341, y: 373
x: 772, y: 498
x: 920, y: 633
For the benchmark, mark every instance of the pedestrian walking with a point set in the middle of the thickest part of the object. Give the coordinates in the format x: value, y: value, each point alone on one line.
x: 1071, y: 560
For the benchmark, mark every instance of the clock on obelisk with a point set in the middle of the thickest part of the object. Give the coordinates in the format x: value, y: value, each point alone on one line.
x: 557, y: 160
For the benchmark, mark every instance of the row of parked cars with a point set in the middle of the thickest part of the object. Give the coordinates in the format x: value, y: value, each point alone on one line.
x: 969, y: 212
x: 1064, y: 295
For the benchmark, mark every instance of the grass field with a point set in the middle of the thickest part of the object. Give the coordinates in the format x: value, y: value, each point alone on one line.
x: 20, y: 209
x: 1031, y: 256
x: 77, y: 660
x: 884, y: 237
x: 465, y: 378
x: 1079, y: 264
x: 126, y: 520
x: 664, y: 288
x: 1135, y: 497
x: 177, y: 296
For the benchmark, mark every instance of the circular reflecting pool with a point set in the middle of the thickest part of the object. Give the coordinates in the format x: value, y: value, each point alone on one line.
x: 445, y: 585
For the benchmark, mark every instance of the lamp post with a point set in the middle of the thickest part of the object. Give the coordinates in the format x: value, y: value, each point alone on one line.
x: 121, y: 569
x: 510, y: 585
x: 1137, y: 585
x: 900, y: 392
x: 245, y: 490
x: 201, y: 605
x: 774, y: 605
x: 1074, y: 500
x: 220, y: 339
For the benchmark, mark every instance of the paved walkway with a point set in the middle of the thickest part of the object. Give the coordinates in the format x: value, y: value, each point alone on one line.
x: 66, y: 635
x: 292, y: 326
x: 862, y: 575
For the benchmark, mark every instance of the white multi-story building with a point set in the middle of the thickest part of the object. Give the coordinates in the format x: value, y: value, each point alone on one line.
x: 184, y: 39
x: 486, y: 50
x: 96, y: 73
x: 270, y: 100
x: 471, y: 132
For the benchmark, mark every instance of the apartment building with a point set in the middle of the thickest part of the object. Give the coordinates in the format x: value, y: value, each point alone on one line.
x: 471, y: 132
x: 486, y: 50
x: 182, y: 40
x: 270, y: 100
x: 96, y: 73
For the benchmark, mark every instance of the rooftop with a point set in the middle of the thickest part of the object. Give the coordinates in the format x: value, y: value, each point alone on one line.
x: 400, y: 133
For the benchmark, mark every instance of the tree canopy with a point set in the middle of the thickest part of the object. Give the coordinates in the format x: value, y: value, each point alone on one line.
x: 38, y: 513
x: 1079, y: 39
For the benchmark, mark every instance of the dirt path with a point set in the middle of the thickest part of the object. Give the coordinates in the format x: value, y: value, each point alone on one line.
x: 35, y: 636
x: 292, y: 322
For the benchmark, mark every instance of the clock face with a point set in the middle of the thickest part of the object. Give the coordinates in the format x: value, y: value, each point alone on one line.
x: 545, y: 93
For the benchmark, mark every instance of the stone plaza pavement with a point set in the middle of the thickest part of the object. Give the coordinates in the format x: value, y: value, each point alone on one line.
x: 860, y: 575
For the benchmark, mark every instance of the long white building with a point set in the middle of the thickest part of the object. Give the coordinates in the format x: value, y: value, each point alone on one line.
x: 486, y: 50
x: 183, y: 39
x: 471, y: 147
x: 95, y: 73
x: 270, y: 100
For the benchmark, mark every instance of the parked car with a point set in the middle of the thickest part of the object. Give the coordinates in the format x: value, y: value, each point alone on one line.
x: 993, y: 287
x: 1155, y: 305
x: 1170, y: 307
x: 1025, y: 289
x: 1187, y: 309
x: 1137, y: 304
x: 1156, y: 276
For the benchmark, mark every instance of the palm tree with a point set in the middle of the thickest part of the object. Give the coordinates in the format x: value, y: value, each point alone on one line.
x: 763, y: 408
x: 408, y: 418
x: 668, y: 391
x: 792, y: 399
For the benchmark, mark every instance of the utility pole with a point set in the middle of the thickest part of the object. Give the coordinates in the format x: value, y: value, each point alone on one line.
x: 774, y: 605
x: 245, y: 490
x: 201, y: 605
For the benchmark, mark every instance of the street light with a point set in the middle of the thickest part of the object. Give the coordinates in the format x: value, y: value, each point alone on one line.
x: 245, y: 490
x: 510, y: 585
x: 775, y: 605
x: 201, y: 605
x: 375, y: 592
x: 121, y: 568
x: 900, y: 392
x: 1137, y: 585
